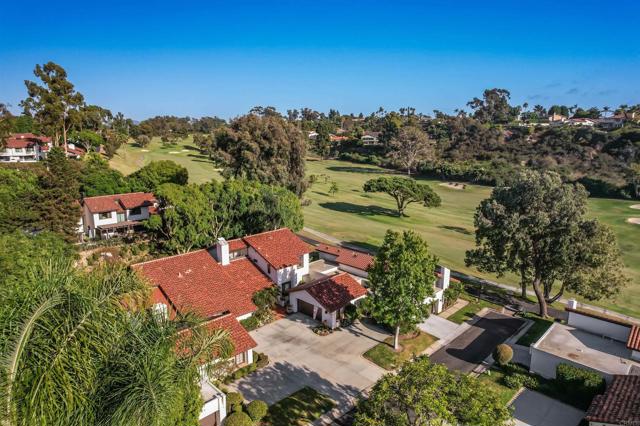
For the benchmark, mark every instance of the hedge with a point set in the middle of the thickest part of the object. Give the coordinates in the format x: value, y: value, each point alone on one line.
x: 582, y: 382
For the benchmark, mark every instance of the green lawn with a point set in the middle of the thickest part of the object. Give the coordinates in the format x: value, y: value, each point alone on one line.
x: 130, y: 158
x: 539, y: 327
x: 493, y: 380
x: 354, y: 216
x: 301, y: 407
x: 468, y: 311
x: 383, y: 354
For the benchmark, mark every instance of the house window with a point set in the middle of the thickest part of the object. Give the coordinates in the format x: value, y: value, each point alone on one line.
x: 301, y: 265
x: 103, y: 216
x: 240, y: 358
x: 136, y: 211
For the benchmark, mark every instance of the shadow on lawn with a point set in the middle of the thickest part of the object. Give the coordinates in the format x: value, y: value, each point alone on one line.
x: 359, y: 209
x: 459, y: 229
x: 361, y: 246
x: 355, y: 169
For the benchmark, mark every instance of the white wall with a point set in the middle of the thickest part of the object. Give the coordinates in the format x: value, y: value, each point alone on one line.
x: 354, y: 271
x: 599, y: 327
x: 438, y: 298
x: 144, y: 214
x: 290, y: 273
x: 328, y: 318
x: 545, y: 364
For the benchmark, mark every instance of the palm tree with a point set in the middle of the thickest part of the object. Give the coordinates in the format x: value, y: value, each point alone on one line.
x: 606, y: 110
x: 68, y: 337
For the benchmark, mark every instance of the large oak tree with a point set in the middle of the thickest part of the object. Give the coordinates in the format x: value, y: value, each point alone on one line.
x: 404, y: 191
x: 536, y: 226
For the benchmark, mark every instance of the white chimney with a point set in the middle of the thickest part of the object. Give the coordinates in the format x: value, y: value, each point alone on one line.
x: 445, y: 276
x: 572, y: 304
x: 222, y: 251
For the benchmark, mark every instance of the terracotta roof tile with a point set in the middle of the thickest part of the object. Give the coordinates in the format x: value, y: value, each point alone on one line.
x: 634, y: 338
x: 334, y: 292
x: 620, y: 404
x: 355, y: 259
x: 236, y: 245
x: 281, y: 248
x: 119, y: 202
x: 242, y: 340
x: 195, y: 281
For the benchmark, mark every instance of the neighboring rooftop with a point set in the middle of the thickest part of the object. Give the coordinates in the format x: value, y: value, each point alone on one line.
x: 596, y: 352
x: 281, y: 248
x: 333, y: 292
x: 348, y: 257
x: 633, y: 342
x: 620, y: 404
x: 119, y: 202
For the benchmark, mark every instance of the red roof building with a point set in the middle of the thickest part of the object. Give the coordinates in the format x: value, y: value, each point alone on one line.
x: 359, y: 261
x: 119, y: 202
x: 619, y: 405
x: 633, y: 342
x: 280, y: 248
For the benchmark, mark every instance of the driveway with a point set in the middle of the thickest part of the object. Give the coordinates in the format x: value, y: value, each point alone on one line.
x: 440, y: 327
x: 469, y: 349
x: 331, y: 364
x: 534, y: 409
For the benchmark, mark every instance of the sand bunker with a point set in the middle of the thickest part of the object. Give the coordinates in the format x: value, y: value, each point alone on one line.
x: 634, y: 220
x: 635, y: 206
x: 184, y: 150
x: 174, y: 152
x: 144, y: 150
x: 453, y: 185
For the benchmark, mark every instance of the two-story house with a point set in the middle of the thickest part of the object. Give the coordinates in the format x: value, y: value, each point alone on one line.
x: 25, y: 148
x: 107, y: 215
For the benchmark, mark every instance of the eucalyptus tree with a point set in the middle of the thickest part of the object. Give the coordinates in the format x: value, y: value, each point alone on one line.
x: 410, y: 147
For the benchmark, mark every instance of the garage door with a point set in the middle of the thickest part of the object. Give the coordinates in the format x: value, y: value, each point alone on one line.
x: 305, y: 308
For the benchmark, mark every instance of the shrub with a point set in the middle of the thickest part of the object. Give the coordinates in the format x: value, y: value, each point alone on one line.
x: 502, y: 354
x: 351, y: 312
x: 257, y: 410
x: 238, y: 419
x: 583, y: 383
x: 261, y: 360
x: 515, y: 381
x: 250, y: 323
x: 234, y: 399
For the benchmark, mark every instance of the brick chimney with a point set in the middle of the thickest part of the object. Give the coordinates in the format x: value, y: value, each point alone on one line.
x: 222, y: 251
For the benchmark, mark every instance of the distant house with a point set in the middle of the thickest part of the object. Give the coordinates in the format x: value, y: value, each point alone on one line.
x: 108, y: 215
x: 619, y: 405
x: 336, y: 138
x: 25, y: 148
x: 370, y: 138
x: 312, y: 135
x: 614, y: 122
x: 587, y: 122
x: 557, y: 118
x: 588, y: 340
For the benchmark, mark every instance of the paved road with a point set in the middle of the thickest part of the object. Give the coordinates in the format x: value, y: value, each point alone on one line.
x: 466, y: 351
x: 470, y: 278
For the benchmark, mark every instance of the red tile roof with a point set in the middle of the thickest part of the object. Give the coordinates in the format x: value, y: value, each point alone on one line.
x: 352, y: 258
x: 620, y: 404
x: 333, y: 292
x: 236, y: 245
x: 281, y: 248
x: 195, y: 281
x: 242, y: 340
x: 633, y: 342
x: 119, y: 202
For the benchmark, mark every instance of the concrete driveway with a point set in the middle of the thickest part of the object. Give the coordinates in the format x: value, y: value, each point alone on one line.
x: 440, y: 327
x: 535, y: 409
x: 331, y: 364
x: 470, y: 348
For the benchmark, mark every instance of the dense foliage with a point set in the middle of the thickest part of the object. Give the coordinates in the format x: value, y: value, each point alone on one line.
x: 404, y: 191
x: 426, y: 394
x: 194, y: 216
x: 156, y: 173
x: 536, y: 226
x: 585, y: 384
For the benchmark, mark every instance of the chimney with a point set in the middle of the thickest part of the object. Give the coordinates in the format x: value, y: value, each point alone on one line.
x: 572, y: 304
x: 445, y: 276
x: 222, y: 251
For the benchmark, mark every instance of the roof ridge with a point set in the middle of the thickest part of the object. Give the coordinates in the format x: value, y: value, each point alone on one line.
x: 266, y: 232
x: 121, y: 193
x: 169, y: 257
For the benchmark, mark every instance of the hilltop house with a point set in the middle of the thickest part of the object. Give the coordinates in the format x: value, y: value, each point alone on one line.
x: 29, y: 148
x: 370, y: 138
x: 219, y: 283
x: 107, y: 215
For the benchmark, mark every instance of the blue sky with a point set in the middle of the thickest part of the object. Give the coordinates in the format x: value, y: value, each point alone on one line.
x: 222, y: 58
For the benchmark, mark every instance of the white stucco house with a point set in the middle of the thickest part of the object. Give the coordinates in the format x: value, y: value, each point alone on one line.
x: 107, y: 215
x: 24, y: 148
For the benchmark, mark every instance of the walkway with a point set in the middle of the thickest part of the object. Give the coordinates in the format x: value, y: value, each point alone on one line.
x: 535, y: 409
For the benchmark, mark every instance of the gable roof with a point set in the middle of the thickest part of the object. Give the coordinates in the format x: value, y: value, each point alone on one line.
x: 633, y: 342
x: 281, y: 248
x: 195, y: 281
x: 242, y: 340
x: 119, y: 202
x: 620, y: 403
x: 333, y: 292
x: 355, y: 259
